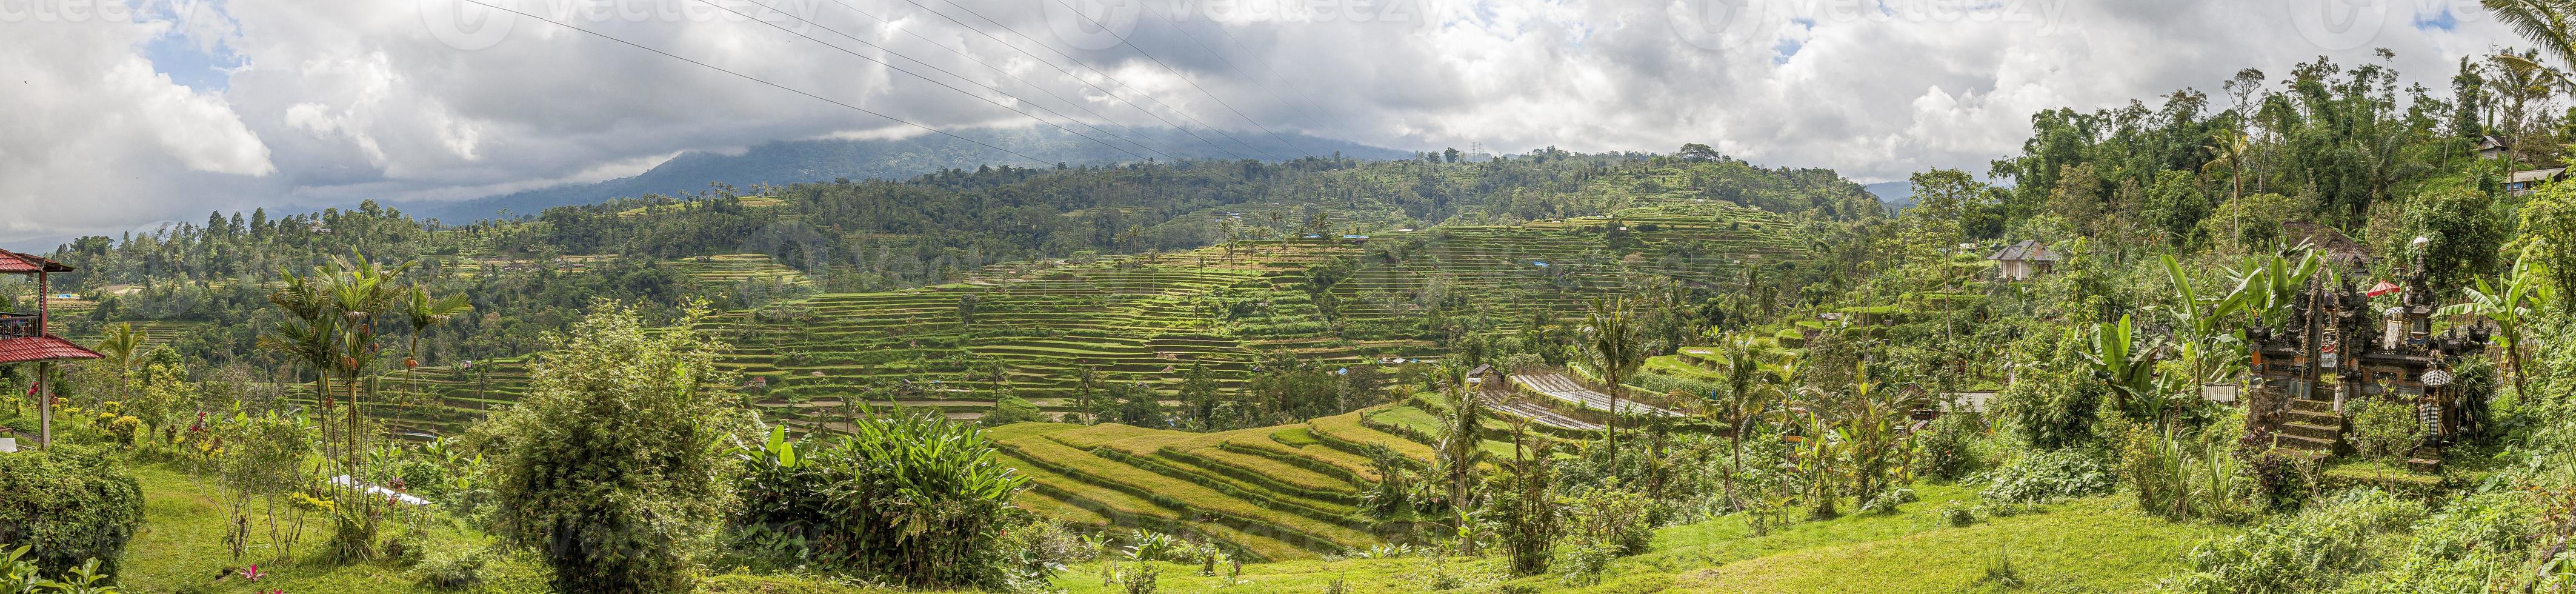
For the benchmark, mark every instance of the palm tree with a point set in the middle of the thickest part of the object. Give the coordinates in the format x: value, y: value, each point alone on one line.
x: 1744, y: 400
x: 359, y: 291
x: 1459, y: 446
x: 2543, y: 22
x: 123, y: 346
x: 1610, y: 340
x: 308, y: 335
x: 423, y: 313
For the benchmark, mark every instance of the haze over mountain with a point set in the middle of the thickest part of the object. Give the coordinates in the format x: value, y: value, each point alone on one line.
x: 792, y: 161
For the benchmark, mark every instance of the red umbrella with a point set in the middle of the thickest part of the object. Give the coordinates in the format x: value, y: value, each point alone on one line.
x: 2383, y: 288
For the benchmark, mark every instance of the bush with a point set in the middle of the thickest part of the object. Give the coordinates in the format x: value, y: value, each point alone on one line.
x: 1582, y: 563
x: 2050, y: 475
x: 1955, y: 514
x: 910, y: 497
x: 605, y: 468
x: 1612, y: 518
x: 2313, y: 551
x: 2459, y: 550
x: 2382, y: 428
x: 451, y: 568
x: 2054, y: 406
x: 1012, y: 409
x: 71, y: 504
x: 1946, y: 452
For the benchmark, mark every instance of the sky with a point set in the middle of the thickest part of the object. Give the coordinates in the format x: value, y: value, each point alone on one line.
x: 118, y: 115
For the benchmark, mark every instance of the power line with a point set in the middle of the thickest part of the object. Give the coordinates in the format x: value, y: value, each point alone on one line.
x: 1133, y: 136
x: 759, y: 80
x: 1094, y: 70
x: 1122, y: 40
x: 934, y: 81
x: 1259, y: 59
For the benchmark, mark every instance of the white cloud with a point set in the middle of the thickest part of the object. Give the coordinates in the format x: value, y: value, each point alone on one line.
x: 334, y: 102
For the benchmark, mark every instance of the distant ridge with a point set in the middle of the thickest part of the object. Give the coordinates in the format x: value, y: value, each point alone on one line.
x: 793, y: 161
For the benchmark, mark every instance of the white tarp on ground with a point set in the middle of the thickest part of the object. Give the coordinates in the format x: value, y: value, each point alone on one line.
x: 343, y: 480
x: 1566, y: 389
x: 1541, y: 415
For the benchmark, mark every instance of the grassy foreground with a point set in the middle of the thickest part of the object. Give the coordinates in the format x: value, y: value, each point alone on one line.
x: 2100, y: 544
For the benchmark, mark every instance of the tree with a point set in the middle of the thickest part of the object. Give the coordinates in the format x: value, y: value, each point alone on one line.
x: 1744, y: 401
x: 2549, y: 228
x: 606, y: 469
x: 1525, y: 502
x: 2543, y: 22
x: 1459, y: 445
x: 422, y: 313
x: 1697, y: 152
x: 2465, y: 236
x: 1610, y: 340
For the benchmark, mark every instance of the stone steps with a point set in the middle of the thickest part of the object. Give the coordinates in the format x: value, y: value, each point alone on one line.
x: 2311, y: 426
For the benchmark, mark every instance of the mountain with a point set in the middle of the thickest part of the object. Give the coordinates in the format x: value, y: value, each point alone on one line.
x: 791, y: 161
x: 1895, y: 194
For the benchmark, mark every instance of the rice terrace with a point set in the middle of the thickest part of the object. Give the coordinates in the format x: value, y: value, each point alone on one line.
x: 1121, y: 297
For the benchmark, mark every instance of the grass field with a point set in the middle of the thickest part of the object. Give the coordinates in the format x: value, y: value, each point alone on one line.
x: 2100, y: 544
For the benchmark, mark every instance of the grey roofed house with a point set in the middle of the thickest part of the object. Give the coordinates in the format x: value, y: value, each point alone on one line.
x: 2023, y: 260
x: 2329, y: 242
x: 2523, y: 183
x: 2490, y: 147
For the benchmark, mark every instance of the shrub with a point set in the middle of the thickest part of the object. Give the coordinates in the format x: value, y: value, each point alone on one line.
x: 455, y: 568
x: 2055, y: 405
x: 70, y: 504
x: 1955, y: 514
x: 1946, y: 451
x: 1583, y: 562
x: 2477, y: 538
x: 1041, y: 548
x: 2313, y: 551
x: 2050, y: 475
x: 2383, y: 428
x: 910, y: 497
x: 605, y: 468
x: 1012, y: 409
x: 1612, y: 518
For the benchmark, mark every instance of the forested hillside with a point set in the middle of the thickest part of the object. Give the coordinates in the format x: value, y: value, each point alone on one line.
x: 807, y: 161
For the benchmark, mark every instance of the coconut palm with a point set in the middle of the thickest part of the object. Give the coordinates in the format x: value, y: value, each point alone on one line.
x: 1744, y: 400
x: 2542, y: 22
x: 1459, y: 445
x: 1610, y: 339
x: 123, y: 346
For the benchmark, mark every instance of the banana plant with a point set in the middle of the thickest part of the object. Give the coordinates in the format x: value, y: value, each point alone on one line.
x: 2118, y: 360
x: 2525, y: 290
x: 2204, y: 342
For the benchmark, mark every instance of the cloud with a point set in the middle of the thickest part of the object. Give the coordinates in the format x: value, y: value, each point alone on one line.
x: 335, y: 102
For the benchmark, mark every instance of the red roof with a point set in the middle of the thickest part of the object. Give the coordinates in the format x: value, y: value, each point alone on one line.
x: 42, y: 348
x: 17, y: 263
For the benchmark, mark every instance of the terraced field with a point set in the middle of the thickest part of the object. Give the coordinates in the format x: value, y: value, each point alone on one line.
x: 1278, y: 492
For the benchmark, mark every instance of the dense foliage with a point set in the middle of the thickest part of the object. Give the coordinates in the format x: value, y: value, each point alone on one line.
x: 72, y: 505
x: 610, y: 469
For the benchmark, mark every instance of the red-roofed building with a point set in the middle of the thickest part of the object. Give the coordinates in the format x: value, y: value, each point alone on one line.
x: 26, y: 338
